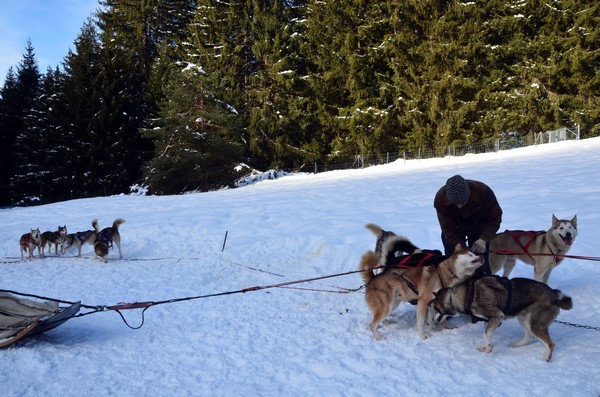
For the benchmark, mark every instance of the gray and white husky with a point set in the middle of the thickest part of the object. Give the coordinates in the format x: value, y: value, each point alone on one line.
x: 494, y: 298
x: 541, y: 249
x: 77, y: 240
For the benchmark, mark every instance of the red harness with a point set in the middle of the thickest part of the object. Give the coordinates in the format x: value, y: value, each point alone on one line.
x: 25, y: 240
x: 418, y: 260
x: 517, y: 234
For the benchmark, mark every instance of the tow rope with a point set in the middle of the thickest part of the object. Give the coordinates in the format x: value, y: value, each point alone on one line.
x: 511, y: 252
x: 145, y: 305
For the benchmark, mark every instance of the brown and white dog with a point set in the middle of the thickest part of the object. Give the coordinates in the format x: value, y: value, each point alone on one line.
x: 29, y: 241
x: 56, y: 238
x: 415, y: 285
x: 106, y: 237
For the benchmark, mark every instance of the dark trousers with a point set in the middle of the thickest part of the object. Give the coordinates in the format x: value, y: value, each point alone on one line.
x: 484, y: 270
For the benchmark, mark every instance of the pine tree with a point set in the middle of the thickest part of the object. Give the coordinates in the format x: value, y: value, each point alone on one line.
x: 282, y: 131
x: 197, y: 141
x: 129, y: 46
x: 53, y: 122
x: 27, y: 146
x: 9, y: 125
x: 80, y: 71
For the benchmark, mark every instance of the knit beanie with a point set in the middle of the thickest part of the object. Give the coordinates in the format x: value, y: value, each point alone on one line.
x: 457, y: 190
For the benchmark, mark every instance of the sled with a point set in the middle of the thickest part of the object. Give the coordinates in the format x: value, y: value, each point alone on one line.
x: 20, y: 318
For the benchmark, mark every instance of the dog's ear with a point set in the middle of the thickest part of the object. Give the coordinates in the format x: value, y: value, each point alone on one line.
x: 554, y: 220
x: 574, y: 221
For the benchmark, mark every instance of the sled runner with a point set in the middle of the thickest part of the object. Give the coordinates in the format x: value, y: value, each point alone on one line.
x: 20, y: 317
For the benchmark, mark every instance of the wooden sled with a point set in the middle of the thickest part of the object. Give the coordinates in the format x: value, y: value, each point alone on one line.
x: 20, y: 318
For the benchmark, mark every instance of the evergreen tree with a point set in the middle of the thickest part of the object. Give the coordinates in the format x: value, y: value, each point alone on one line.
x: 197, y: 141
x: 9, y: 125
x: 128, y: 37
x: 27, y: 146
x: 282, y: 130
x: 81, y: 104
x: 53, y: 122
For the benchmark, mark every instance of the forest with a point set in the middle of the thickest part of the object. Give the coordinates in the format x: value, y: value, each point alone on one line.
x: 188, y: 95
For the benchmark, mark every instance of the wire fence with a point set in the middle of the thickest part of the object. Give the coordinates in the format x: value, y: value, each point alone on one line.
x: 511, y: 141
x: 508, y: 141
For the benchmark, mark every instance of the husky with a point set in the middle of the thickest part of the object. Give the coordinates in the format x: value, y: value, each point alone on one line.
x: 29, y: 241
x: 105, y: 238
x: 415, y: 285
x: 56, y: 238
x: 494, y: 298
x: 77, y: 240
x: 542, y: 249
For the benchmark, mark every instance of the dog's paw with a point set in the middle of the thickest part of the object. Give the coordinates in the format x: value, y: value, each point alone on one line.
x: 424, y: 336
x: 376, y: 334
x: 485, y: 348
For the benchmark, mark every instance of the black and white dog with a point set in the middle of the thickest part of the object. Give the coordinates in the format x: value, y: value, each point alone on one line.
x: 105, y: 238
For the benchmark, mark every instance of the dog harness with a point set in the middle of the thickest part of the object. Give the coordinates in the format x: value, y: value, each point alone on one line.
x: 517, y: 234
x: 106, y: 237
x: 505, y: 281
x: 27, y: 239
x: 417, y: 260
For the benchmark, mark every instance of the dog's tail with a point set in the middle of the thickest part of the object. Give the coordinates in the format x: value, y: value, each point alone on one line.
x: 397, y: 246
x: 368, y: 262
x: 563, y: 301
x: 117, y: 222
x: 95, y: 225
x: 374, y: 228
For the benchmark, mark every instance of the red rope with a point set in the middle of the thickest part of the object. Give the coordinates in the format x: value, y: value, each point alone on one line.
x: 510, y: 252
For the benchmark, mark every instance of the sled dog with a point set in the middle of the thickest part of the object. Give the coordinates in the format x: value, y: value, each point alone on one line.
x: 77, y: 240
x: 494, y: 298
x: 56, y: 238
x: 29, y: 241
x: 415, y: 285
x: 550, y: 244
x: 105, y: 238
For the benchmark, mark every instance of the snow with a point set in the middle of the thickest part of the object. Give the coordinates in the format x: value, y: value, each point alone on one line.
x: 290, y: 342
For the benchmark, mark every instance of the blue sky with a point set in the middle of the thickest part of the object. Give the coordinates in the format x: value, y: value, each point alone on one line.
x: 52, y: 26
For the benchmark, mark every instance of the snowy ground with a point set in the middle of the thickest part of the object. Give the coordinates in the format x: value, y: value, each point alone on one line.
x: 290, y: 342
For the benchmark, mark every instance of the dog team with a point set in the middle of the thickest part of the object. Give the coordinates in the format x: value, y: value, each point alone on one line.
x: 462, y: 282
x: 101, y: 240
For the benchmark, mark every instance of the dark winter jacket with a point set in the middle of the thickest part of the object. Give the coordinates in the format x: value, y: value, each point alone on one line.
x: 479, y: 218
